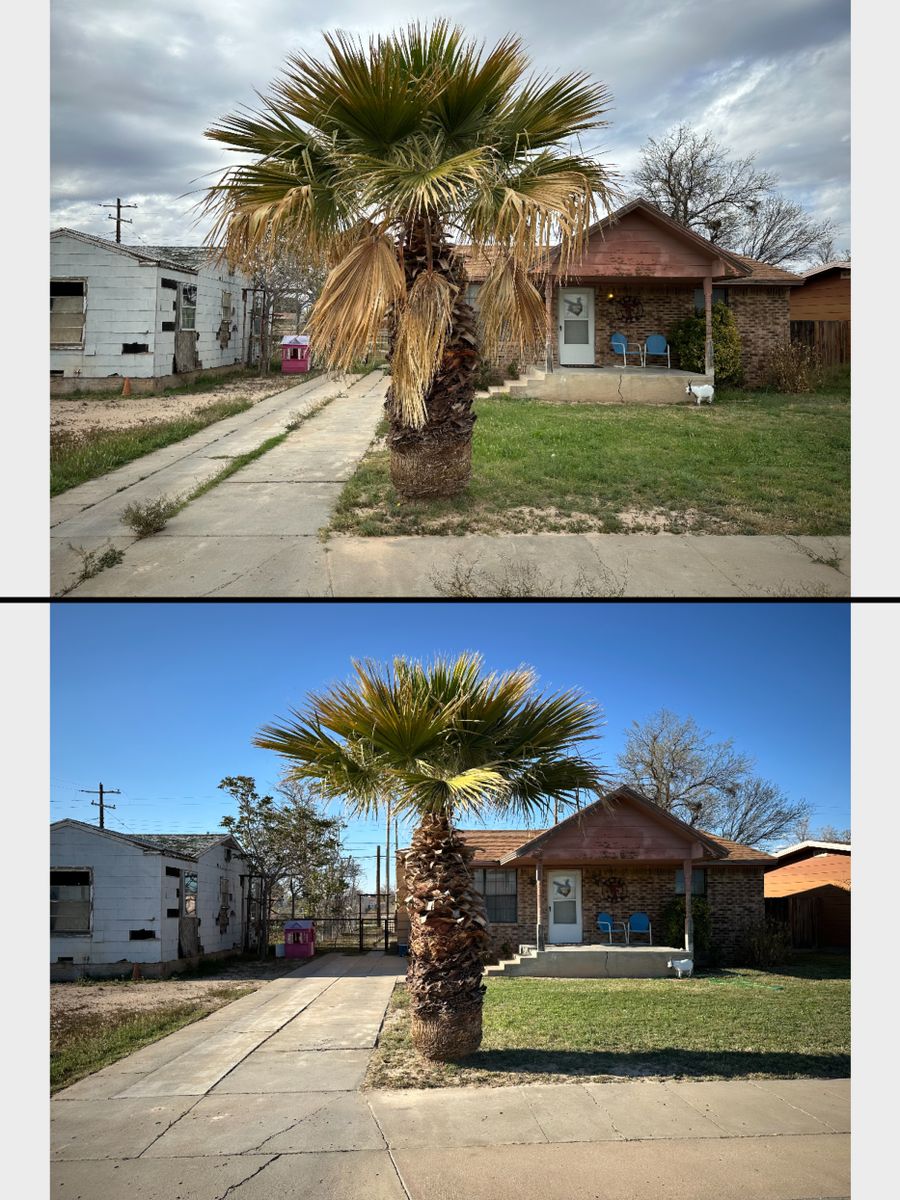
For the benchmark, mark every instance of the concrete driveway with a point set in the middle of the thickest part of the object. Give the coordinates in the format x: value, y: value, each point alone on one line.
x: 262, y: 1099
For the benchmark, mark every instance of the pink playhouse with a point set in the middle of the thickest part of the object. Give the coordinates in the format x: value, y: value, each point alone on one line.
x: 299, y: 939
x: 294, y: 353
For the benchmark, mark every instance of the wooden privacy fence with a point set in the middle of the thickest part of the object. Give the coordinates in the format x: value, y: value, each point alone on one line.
x: 830, y: 338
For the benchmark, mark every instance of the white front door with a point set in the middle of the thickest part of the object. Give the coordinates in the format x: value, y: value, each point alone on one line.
x: 564, y: 900
x: 576, y: 327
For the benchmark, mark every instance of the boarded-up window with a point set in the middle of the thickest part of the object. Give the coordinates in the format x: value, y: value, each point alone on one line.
x: 67, y: 312
x: 189, y: 306
x: 70, y: 901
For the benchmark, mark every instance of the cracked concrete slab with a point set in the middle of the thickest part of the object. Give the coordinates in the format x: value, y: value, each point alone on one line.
x: 111, y: 1128
x: 778, y: 1168
x: 200, y: 1178
x: 296, y: 1071
x: 748, y: 1112
x: 238, y: 1124
x: 828, y: 1100
x: 326, y: 1175
x: 455, y: 1117
x: 569, y: 1114
x: 238, y: 509
x: 651, y: 1110
x: 198, y: 1069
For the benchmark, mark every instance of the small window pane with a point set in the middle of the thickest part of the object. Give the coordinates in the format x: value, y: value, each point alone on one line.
x: 698, y: 882
x: 576, y: 333
x: 564, y: 912
x: 498, y: 888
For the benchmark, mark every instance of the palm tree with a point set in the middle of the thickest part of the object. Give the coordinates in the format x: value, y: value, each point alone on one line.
x: 442, y: 739
x: 371, y: 162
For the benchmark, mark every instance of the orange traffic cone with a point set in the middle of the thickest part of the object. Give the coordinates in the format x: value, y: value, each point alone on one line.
x: 126, y: 387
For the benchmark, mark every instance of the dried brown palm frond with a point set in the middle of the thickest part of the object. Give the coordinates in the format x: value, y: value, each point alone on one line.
x: 422, y: 328
x: 512, y: 309
x: 355, y: 299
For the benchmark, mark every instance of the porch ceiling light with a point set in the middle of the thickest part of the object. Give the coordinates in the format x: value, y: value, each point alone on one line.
x: 610, y: 296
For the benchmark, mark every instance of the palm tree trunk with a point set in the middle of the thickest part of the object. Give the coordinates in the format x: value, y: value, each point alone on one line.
x: 447, y: 936
x: 436, y: 460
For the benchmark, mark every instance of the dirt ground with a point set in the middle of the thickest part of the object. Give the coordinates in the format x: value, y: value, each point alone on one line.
x: 101, y: 997
x: 74, y: 416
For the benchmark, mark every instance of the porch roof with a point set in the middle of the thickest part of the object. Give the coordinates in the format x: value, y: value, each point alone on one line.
x: 622, y: 826
x: 640, y: 242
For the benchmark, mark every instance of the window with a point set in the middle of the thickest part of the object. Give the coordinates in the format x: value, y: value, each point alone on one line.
x: 70, y: 901
x: 67, y: 312
x: 141, y: 935
x: 135, y: 348
x: 472, y: 290
x: 698, y: 882
x: 188, y: 306
x: 499, y: 891
x: 718, y: 294
x: 190, y: 895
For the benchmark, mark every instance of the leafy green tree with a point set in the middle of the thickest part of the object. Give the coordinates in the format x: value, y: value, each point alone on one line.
x: 442, y: 740
x: 373, y: 162
x: 280, y: 840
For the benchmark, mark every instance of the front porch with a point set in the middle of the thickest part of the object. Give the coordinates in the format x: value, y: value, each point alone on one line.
x: 590, y: 962
x: 604, y: 385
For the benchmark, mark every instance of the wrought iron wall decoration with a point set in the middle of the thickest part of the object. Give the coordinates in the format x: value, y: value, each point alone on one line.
x: 615, y: 889
x: 628, y: 309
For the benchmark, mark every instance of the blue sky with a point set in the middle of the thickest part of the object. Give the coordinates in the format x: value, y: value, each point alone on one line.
x: 162, y: 700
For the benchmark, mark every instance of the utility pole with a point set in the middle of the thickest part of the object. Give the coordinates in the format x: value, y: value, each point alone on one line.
x: 100, y: 803
x: 378, y: 883
x: 387, y: 866
x: 118, y: 218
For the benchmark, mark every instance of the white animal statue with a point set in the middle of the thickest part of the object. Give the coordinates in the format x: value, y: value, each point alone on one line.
x: 681, y: 966
x: 700, y: 391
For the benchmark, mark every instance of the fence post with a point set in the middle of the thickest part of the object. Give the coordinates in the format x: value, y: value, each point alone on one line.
x: 361, y: 947
x: 386, y: 923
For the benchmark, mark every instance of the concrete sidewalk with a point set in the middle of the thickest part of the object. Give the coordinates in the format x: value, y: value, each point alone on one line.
x: 262, y: 1099
x: 244, y: 521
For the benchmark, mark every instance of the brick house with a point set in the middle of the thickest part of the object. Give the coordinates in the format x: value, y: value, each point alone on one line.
x: 641, y: 272
x: 621, y: 855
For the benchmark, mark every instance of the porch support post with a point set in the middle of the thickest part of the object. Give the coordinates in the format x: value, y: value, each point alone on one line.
x: 708, y: 359
x: 539, y: 901
x: 688, y: 916
x: 548, y: 302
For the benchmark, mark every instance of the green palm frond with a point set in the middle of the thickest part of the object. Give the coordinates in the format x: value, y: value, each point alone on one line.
x: 442, y: 738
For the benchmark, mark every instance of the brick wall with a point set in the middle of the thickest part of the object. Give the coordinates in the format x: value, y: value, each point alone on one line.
x: 762, y: 317
x: 735, y: 896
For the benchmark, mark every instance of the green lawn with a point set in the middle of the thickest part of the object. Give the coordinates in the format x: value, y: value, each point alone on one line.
x: 751, y: 463
x: 722, y: 1025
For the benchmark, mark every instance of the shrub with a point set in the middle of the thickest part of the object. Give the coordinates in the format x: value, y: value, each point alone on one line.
x: 512, y: 371
x: 150, y: 516
x: 794, y: 367
x: 487, y: 376
x: 688, y: 340
x: 768, y: 945
x: 673, y: 922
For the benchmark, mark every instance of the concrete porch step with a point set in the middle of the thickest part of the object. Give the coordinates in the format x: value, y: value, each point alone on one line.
x: 590, y: 962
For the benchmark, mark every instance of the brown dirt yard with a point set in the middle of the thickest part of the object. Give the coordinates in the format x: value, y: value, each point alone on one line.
x: 98, y: 998
x: 84, y: 414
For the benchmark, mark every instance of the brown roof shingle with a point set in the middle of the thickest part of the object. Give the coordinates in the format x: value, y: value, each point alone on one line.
x: 809, y: 873
x: 761, y: 272
x: 493, y: 844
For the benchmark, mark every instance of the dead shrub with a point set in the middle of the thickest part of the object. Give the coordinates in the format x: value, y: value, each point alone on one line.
x: 794, y: 368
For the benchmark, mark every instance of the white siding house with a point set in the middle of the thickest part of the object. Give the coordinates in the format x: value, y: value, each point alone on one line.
x: 161, y: 900
x: 142, y: 312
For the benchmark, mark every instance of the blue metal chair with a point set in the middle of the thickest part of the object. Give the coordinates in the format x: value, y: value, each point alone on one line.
x: 607, y: 925
x: 657, y: 345
x: 621, y: 345
x: 639, y: 922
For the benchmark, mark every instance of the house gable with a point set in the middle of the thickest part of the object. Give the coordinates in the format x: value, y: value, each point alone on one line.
x: 622, y: 827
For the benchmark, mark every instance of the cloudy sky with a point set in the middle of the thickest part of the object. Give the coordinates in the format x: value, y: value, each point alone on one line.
x: 133, y: 87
